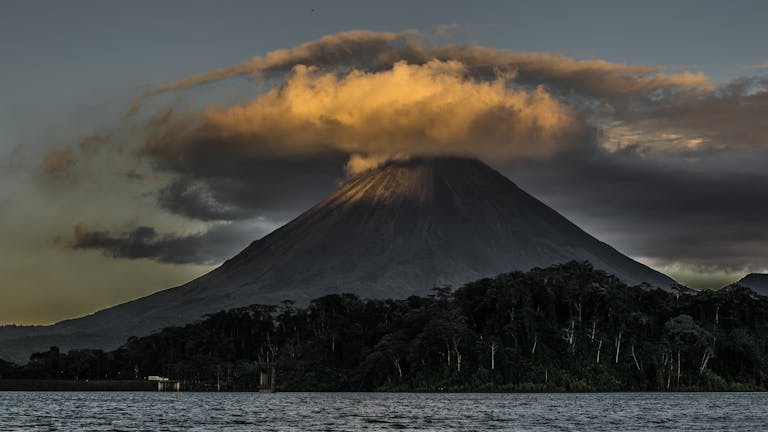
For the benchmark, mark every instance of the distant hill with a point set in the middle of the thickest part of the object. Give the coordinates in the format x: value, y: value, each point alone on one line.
x: 394, y: 231
x: 757, y: 282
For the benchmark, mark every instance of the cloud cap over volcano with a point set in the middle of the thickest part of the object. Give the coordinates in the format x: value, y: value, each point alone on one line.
x: 624, y: 148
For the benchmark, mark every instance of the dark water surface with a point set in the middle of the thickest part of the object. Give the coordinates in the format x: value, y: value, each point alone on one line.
x: 23, y: 411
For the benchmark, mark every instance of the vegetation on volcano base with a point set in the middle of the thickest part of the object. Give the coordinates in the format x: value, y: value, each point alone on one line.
x: 565, y: 328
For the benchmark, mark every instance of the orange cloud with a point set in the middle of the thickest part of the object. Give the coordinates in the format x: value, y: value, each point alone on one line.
x: 460, y: 99
x: 329, y: 50
x: 372, y: 51
x: 58, y: 161
x: 409, y: 109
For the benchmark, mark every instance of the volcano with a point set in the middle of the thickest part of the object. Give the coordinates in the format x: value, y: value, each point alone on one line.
x: 391, y: 232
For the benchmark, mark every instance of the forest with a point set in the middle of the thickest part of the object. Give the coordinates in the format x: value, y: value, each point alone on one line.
x: 564, y: 328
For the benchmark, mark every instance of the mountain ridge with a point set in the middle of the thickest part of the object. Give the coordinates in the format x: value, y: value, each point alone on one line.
x: 390, y: 232
x: 757, y: 282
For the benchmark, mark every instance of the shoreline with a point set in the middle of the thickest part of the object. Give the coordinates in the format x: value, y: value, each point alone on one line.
x: 49, y: 385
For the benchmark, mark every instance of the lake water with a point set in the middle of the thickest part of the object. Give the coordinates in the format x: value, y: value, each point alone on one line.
x: 25, y: 411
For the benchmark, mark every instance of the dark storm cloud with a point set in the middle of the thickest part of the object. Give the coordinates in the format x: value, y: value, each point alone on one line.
x: 733, y: 117
x: 194, y: 199
x: 209, y: 247
x: 227, y: 187
x: 671, y: 212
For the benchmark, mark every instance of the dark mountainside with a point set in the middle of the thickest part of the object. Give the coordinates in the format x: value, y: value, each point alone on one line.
x: 398, y: 230
x: 757, y: 282
x: 563, y: 328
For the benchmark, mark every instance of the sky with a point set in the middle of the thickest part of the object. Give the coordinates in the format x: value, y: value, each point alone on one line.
x: 142, y: 143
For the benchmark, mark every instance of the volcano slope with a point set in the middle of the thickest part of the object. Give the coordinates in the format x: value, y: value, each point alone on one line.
x: 393, y: 231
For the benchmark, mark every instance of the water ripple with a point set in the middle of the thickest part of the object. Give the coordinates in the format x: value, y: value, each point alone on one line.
x: 40, y: 411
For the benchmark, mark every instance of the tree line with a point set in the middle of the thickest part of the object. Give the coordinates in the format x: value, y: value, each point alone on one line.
x: 564, y: 328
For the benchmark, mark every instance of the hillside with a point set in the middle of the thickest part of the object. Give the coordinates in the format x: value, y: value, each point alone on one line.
x: 564, y: 328
x: 757, y: 282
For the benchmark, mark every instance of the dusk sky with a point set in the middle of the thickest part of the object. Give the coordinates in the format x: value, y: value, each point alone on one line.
x: 143, y: 143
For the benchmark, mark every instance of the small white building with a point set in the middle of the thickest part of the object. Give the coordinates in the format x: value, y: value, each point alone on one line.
x: 165, y: 384
x: 157, y: 378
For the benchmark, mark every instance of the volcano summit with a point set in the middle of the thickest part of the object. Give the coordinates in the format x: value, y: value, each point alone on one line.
x: 393, y: 231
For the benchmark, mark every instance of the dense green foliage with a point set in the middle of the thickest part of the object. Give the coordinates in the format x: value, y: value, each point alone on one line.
x: 565, y: 328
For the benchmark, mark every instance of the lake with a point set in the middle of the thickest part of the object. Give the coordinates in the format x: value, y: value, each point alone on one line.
x: 41, y: 411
